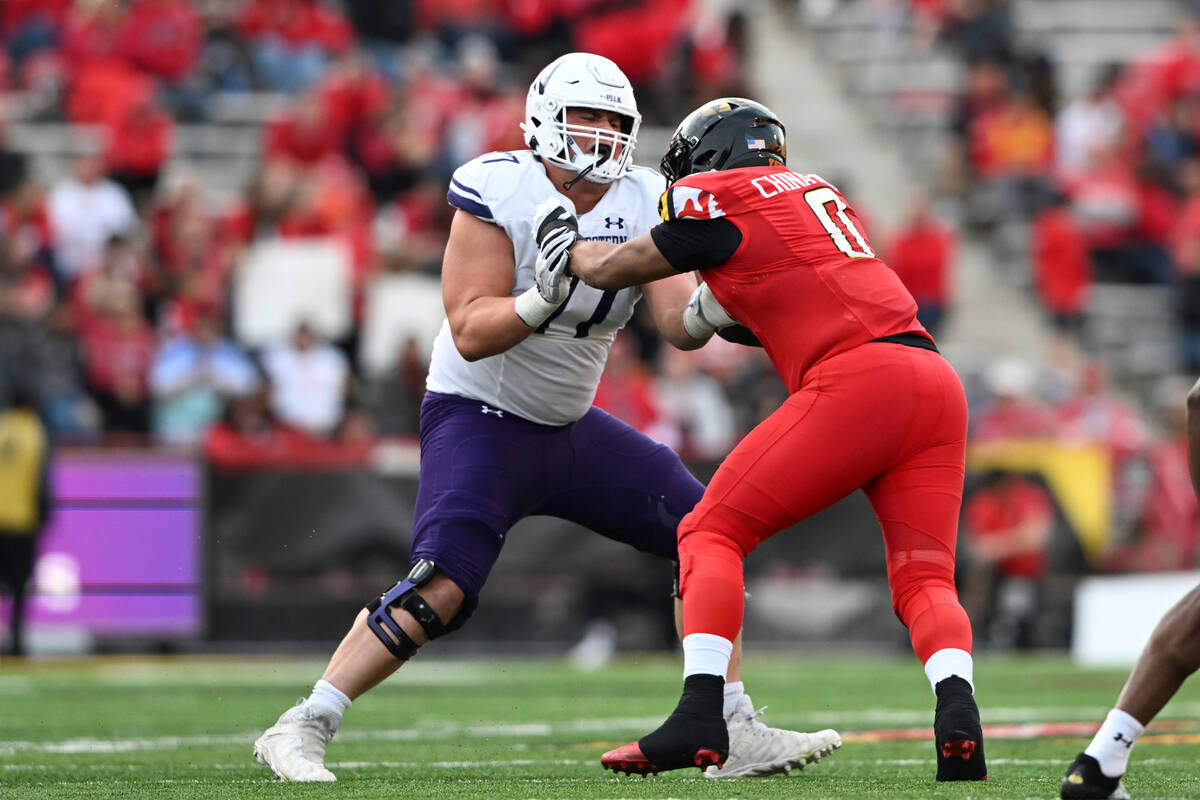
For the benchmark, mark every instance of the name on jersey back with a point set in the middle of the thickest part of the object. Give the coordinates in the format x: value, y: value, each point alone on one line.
x: 780, y: 182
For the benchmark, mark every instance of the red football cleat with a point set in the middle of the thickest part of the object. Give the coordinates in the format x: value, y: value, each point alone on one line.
x: 630, y: 760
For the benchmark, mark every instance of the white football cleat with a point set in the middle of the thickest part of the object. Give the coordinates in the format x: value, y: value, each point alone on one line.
x: 756, y: 749
x: 294, y: 747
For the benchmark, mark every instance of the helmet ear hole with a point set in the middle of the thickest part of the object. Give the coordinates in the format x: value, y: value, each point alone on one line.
x: 704, y: 160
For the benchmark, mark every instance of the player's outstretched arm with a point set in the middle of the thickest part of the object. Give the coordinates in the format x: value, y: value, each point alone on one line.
x: 477, y: 281
x: 600, y: 264
x: 610, y: 267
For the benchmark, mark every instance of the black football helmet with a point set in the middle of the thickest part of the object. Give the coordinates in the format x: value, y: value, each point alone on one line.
x: 723, y: 134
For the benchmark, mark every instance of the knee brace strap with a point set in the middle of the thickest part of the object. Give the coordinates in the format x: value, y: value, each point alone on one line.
x: 404, y: 595
x: 422, y: 573
x: 423, y: 613
x: 388, y: 631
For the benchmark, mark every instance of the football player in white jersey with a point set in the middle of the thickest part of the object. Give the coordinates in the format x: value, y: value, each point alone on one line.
x: 507, y: 424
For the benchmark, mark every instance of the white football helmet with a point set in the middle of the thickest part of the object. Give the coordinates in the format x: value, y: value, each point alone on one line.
x: 582, y: 80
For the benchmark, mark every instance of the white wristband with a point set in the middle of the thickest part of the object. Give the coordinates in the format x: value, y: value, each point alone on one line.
x: 532, y: 308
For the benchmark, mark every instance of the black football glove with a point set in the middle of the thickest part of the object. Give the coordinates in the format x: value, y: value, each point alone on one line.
x: 551, y: 217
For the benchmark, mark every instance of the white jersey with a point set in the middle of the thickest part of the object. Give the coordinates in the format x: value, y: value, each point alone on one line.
x: 551, y: 376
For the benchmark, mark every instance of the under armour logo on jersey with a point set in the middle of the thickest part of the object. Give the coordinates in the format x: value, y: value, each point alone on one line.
x: 496, y: 411
x: 1120, y: 737
x: 609, y: 222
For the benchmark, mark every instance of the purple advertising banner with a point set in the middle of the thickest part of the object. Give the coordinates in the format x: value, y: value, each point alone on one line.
x: 121, y: 555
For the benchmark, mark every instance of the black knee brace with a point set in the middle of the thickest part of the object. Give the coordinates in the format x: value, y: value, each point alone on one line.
x: 404, y: 595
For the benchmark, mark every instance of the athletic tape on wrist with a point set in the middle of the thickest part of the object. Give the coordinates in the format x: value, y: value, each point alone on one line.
x: 532, y: 308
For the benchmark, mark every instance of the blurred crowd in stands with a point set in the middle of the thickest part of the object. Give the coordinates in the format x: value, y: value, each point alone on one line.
x: 119, y: 282
x: 1070, y: 190
x: 1101, y: 188
x: 120, y: 287
x: 1108, y: 181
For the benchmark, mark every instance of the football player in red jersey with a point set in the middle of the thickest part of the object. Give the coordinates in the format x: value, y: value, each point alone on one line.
x: 872, y: 406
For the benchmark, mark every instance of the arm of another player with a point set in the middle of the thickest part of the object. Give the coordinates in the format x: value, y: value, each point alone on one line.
x: 667, y: 289
x: 477, y: 280
x: 668, y: 299
x: 617, y: 266
x: 686, y: 246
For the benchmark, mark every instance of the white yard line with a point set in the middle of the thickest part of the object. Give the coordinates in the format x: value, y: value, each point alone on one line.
x: 838, y: 761
x: 849, y: 722
x: 17, y: 685
x: 232, y: 671
x: 249, y: 763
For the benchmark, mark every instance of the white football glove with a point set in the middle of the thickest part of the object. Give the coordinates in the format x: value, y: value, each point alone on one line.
x: 704, y: 316
x: 555, y: 230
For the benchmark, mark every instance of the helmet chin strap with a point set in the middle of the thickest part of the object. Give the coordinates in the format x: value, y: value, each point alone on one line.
x: 567, y: 186
x: 601, y: 154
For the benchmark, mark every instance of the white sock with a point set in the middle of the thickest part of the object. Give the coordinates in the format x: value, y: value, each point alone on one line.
x: 950, y: 661
x: 1113, y: 742
x: 733, y: 695
x: 706, y: 654
x: 329, y: 700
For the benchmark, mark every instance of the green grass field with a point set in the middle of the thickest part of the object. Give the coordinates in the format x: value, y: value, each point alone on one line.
x: 183, y: 727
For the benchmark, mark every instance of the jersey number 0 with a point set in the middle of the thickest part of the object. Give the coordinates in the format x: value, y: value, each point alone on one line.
x: 818, y: 200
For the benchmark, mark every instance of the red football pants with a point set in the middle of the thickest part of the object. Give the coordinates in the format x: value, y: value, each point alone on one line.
x: 886, y: 418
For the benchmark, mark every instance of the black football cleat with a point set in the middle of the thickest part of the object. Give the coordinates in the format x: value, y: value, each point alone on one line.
x: 632, y: 761
x: 957, y: 733
x: 1085, y: 781
x: 695, y: 735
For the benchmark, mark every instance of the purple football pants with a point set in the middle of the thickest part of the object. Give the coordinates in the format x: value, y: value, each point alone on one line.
x: 483, y: 469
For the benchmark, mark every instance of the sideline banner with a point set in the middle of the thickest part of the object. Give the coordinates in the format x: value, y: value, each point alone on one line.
x: 121, y: 553
x: 1079, y: 476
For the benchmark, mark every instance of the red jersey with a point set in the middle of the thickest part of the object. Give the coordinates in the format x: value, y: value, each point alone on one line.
x: 1062, y: 264
x: 804, y: 279
x: 922, y: 255
x: 1001, y: 512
